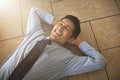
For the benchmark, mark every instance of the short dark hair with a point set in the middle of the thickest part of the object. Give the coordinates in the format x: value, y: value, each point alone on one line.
x: 76, y: 23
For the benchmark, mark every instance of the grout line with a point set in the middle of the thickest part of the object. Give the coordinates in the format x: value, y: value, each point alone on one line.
x: 21, y: 16
x: 52, y: 8
x: 12, y: 38
x: 83, y: 21
x: 94, y: 35
x: 99, y: 49
x: 117, y: 4
x: 109, y: 48
x: 68, y: 77
x: 100, y: 18
x: 56, y: 1
x: 107, y: 73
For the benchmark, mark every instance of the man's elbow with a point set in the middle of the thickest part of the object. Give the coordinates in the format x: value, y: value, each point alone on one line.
x: 102, y: 63
x: 33, y: 9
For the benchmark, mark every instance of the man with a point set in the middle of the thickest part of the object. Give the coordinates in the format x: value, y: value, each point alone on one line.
x: 55, y: 61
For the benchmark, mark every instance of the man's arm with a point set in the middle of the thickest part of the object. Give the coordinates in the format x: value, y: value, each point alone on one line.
x: 35, y: 17
x: 81, y: 64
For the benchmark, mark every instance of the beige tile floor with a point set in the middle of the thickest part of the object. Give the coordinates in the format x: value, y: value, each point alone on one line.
x: 100, y: 24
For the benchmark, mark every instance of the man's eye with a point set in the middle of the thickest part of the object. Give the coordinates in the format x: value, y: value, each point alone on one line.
x: 66, y: 28
x: 61, y: 24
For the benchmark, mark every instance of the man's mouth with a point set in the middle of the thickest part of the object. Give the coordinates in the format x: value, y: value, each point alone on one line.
x: 58, y: 33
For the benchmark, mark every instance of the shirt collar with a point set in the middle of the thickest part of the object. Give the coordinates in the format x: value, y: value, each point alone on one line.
x: 53, y: 43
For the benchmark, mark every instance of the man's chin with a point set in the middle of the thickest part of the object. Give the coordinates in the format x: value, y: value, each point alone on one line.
x: 53, y: 37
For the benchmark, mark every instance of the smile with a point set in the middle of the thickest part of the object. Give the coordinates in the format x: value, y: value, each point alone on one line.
x: 58, y: 33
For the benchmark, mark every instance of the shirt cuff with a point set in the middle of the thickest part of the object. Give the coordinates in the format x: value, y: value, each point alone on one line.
x: 49, y: 18
x: 84, y: 46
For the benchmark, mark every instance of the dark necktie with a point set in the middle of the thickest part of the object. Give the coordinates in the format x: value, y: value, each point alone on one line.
x: 25, y: 65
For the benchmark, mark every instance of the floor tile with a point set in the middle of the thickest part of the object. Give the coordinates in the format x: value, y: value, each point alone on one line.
x: 6, y: 47
x: 48, y: 32
x: 10, y: 20
x: 113, y: 66
x: 87, y: 34
x: 118, y: 3
x: 97, y: 75
x: 65, y: 78
x: 85, y: 9
x: 54, y: 0
x: 26, y: 5
x: 107, y: 32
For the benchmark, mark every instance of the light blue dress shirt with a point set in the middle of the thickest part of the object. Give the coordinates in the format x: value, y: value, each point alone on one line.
x: 55, y: 62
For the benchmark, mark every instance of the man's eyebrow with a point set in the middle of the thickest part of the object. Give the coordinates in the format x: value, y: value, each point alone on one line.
x: 66, y: 25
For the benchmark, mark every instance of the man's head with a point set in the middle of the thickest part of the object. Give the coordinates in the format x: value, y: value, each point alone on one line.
x: 66, y: 30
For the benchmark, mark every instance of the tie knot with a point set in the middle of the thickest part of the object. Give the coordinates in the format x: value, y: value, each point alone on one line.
x: 47, y: 41
x: 42, y: 44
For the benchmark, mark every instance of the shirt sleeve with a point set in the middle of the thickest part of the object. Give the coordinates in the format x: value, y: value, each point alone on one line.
x: 82, y: 64
x: 36, y: 15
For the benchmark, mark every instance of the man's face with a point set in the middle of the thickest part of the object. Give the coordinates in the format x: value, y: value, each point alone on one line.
x: 62, y: 31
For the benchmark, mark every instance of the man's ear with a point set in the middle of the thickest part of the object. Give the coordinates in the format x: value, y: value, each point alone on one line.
x: 71, y: 39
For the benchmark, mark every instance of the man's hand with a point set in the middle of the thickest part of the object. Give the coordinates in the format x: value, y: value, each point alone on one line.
x: 76, y: 41
x: 54, y: 22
